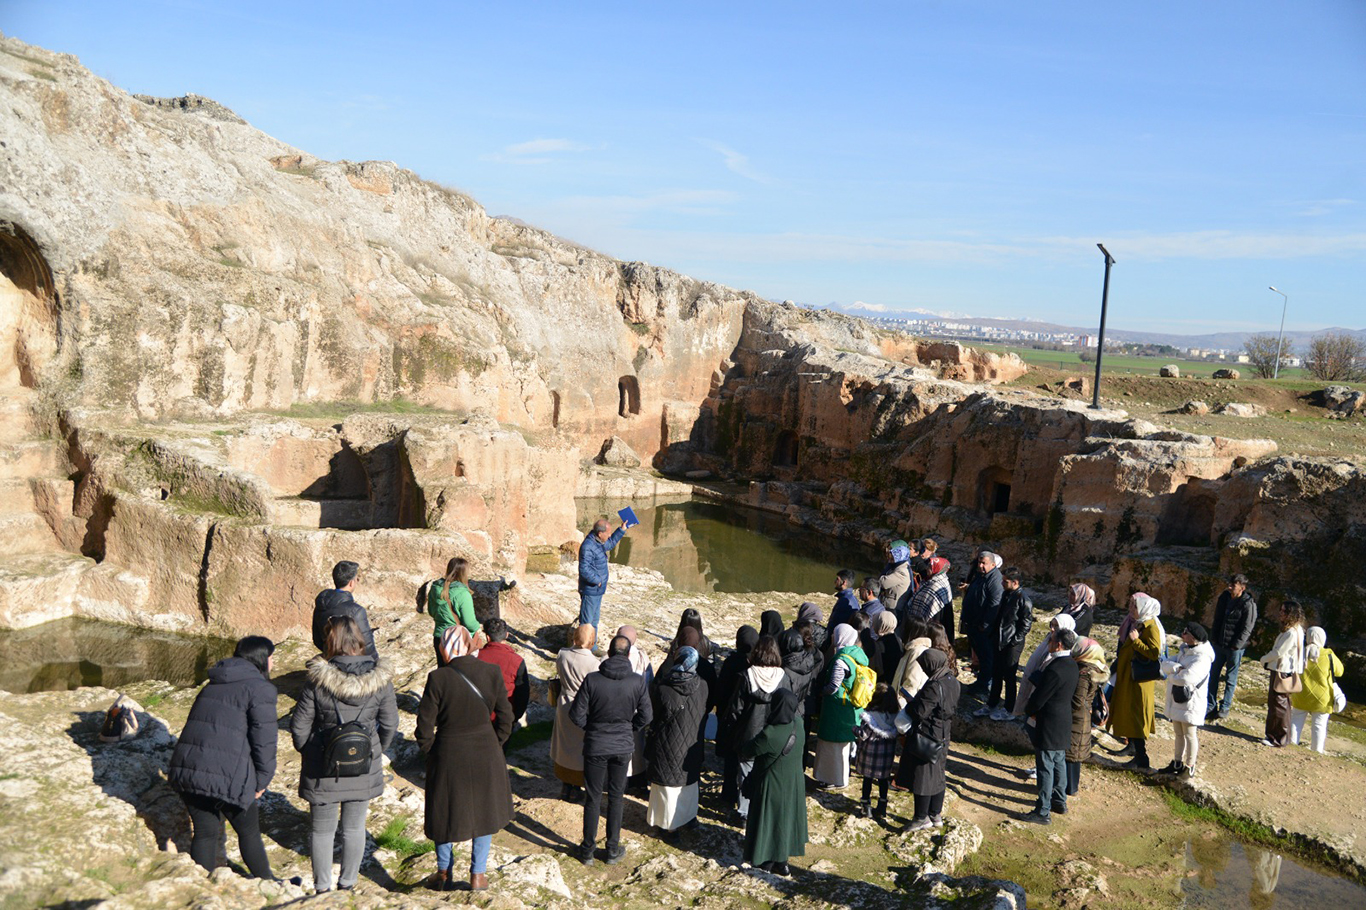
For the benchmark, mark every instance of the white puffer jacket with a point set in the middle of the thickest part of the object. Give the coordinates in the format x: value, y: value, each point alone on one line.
x: 1189, y: 668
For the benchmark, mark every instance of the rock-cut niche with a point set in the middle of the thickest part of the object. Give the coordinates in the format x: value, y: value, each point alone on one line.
x: 628, y: 393
x: 993, y: 491
x: 28, y: 309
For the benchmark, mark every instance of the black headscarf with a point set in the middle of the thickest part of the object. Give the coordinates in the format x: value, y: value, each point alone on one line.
x: 934, y: 662
x: 783, y: 708
x: 771, y: 623
x: 791, y: 641
x: 809, y: 612
x: 746, y: 638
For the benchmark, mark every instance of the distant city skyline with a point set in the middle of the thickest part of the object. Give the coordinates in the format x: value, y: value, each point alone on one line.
x: 957, y: 157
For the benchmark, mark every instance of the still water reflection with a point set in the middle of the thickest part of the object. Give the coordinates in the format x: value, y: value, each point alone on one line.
x: 71, y: 653
x: 1226, y: 873
x: 706, y: 546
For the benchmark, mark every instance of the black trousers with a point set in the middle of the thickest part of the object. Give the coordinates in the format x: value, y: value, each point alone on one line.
x: 1004, y: 670
x: 597, y: 770
x: 929, y: 806
x: 206, y: 821
x: 1073, y: 777
x: 881, y: 790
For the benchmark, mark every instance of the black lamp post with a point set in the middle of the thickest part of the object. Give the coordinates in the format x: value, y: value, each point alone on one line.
x: 1100, y: 341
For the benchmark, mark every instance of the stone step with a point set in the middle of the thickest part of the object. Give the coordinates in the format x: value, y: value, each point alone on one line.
x: 26, y: 532
x: 31, y: 458
x: 38, y: 588
x: 16, y: 413
x: 16, y: 496
x: 343, y: 514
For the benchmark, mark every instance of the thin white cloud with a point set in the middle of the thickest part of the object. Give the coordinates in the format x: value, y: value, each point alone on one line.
x: 544, y: 146
x: 1320, y: 207
x: 735, y: 161
x: 1218, y: 245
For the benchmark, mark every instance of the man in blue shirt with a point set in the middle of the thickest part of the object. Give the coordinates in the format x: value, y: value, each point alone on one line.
x: 593, y: 570
x: 846, y: 603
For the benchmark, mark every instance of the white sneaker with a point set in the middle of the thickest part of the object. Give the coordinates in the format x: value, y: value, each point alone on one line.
x: 1032, y: 774
x: 983, y: 711
x: 1001, y: 714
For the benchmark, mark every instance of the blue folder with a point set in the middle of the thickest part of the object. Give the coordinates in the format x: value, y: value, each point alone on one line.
x: 628, y: 517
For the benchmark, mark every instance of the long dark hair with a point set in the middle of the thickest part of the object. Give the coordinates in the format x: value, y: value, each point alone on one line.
x: 1292, y: 614
x: 766, y: 653
x: 915, y: 628
x: 693, y: 619
x: 457, y: 571
x: 939, y: 640
x: 256, y: 650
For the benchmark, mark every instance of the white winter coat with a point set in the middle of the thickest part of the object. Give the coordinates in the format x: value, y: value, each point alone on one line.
x: 1189, y: 668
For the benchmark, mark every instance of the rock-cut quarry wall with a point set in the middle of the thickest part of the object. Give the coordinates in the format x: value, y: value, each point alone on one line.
x: 192, y: 308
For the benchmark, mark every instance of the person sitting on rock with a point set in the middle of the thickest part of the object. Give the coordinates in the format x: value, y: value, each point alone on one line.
x: 338, y: 601
x: 499, y: 653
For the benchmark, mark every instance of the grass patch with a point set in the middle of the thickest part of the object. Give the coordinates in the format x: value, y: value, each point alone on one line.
x: 526, y: 736
x: 331, y: 410
x: 394, y: 837
x: 152, y: 701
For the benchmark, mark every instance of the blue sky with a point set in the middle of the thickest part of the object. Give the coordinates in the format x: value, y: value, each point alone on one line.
x: 956, y: 156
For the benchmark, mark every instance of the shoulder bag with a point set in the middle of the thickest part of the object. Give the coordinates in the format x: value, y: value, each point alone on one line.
x: 1286, y: 683
x: 750, y: 788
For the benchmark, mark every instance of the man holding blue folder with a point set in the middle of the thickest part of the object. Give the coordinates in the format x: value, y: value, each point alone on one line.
x: 593, y: 566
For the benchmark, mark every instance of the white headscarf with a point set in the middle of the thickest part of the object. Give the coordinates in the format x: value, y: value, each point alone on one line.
x: 1065, y: 621
x: 994, y: 558
x: 1146, y: 608
x: 844, y: 636
x: 1316, y: 638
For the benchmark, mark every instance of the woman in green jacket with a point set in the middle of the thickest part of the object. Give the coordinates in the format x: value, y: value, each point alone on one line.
x: 1314, y: 702
x: 449, y: 601
x: 839, y: 719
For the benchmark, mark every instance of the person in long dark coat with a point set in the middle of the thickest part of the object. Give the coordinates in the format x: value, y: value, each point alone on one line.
x: 225, y: 757
x: 775, y: 830
x: 673, y: 744
x: 931, y: 712
x: 469, y: 796
x: 726, y: 679
x: 747, y: 711
x: 345, y: 685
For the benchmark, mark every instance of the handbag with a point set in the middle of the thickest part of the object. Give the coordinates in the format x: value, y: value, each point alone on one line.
x: 1144, y: 670
x: 1339, y: 699
x: 750, y: 788
x: 925, y: 748
x: 1100, y: 709
x: 1286, y: 683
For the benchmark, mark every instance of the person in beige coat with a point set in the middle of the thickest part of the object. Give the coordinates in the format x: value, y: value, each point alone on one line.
x: 572, y: 665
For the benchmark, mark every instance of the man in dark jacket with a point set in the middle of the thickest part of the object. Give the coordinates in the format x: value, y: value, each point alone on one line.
x: 1050, y: 708
x: 593, y: 571
x: 337, y: 601
x: 1013, y: 622
x: 499, y: 653
x: 1235, y: 615
x: 611, y: 705
x: 981, y: 612
x: 846, y: 603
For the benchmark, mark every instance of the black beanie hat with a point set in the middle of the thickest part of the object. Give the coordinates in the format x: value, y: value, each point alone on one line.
x: 1197, y: 631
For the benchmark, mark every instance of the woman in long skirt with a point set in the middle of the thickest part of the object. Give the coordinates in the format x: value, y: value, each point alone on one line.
x: 1285, y: 660
x: 674, y: 742
x: 839, y: 719
x: 566, y: 740
x: 775, y: 830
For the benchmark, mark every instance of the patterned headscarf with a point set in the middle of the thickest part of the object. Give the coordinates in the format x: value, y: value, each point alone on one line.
x: 900, y: 550
x: 685, y: 661
x: 1091, y: 656
x: 1080, y: 596
x: 455, y: 642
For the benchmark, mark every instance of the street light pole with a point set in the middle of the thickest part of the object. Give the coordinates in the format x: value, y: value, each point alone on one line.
x: 1285, y: 302
x: 1100, y: 340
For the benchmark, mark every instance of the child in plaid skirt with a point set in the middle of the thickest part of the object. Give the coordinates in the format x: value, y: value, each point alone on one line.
x: 876, y: 738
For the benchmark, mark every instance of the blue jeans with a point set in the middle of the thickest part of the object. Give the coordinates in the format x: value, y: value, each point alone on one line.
x: 1052, y: 768
x: 590, y: 609
x: 479, y: 855
x: 1223, y: 657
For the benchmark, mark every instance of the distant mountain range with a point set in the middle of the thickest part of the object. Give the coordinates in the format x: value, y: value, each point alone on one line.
x: 1215, y: 340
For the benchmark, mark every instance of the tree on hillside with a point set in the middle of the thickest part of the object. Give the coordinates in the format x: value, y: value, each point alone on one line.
x: 1261, y: 354
x: 1336, y: 356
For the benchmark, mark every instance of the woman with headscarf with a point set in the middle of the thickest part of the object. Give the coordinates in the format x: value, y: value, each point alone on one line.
x: 839, y: 718
x: 674, y: 743
x: 775, y: 830
x: 747, y: 711
x: 880, y: 644
x: 896, y: 576
x: 770, y: 624
x: 1187, y: 695
x: 1133, y: 706
x: 810, y: 616
x: 1285, y: 660
x: 462, y: 722
x: 1094, y: 671
x: 1081, y: 606
x: 572, y: 664
x: 931, y: 713
x: 1314, y: 702
x: 907, y: 678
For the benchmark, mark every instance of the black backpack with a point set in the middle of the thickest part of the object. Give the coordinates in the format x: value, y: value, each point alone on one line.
x: 346, y: 747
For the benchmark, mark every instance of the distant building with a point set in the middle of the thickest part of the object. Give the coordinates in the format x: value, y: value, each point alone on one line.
x: 1087, y: 341
x: 1243, y: 358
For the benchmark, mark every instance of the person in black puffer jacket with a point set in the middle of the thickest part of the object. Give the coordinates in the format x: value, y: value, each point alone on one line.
x: 801, y: 663
x: 673, y: 746
x: 344, y: 685
x: 610, y: 706
x: 746, y: 714
x: 225, y: 757
x: 338, y: 601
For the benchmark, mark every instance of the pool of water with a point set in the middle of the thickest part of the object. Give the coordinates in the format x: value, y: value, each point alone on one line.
x: 706, y: 546
x: 1225, y: 873
x: 72, y: 653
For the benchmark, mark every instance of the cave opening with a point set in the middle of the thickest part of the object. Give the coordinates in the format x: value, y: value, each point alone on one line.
x: 628, y: 396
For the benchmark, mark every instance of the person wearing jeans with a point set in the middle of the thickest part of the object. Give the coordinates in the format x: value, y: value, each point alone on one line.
x: 593, y: 570
x: 345, y: 685
x: 611, y: 705
x: 1235, y: 616
x: 1050, y: 706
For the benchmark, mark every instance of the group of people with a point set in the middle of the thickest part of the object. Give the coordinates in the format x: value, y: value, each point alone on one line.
x: 874, y: 692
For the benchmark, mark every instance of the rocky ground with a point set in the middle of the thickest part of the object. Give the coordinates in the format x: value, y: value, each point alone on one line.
x: 1121, y: 845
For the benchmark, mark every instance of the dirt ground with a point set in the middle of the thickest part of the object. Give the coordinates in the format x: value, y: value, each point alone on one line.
x: 1297, y: 426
